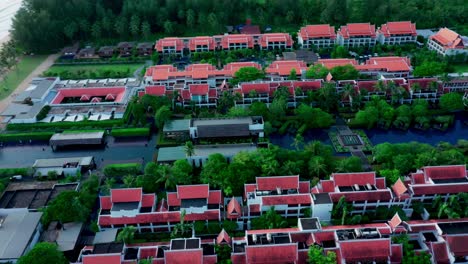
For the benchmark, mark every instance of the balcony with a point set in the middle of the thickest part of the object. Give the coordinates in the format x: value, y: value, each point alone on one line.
x: 268, y: 239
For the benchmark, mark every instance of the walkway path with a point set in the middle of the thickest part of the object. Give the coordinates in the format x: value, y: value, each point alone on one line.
x: 25, y: 83
x: 343, y: 129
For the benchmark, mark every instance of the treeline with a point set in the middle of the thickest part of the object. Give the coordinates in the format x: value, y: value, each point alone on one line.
x: 43, y: 25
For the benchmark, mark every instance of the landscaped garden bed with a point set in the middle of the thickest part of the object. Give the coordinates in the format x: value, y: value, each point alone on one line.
x: 346, y: 142
x: 131, y: 132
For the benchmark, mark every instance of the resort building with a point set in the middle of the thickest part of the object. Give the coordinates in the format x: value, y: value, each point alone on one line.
x: 316, y: 36
x: 280, y: 70
x: 170, y: 46
x: 240, y: 41
x: 397, y: 33
x: 447, y: 42
x: 202, y: 44
x: 356, y: 35
x: 275, y: 41
x: 131, y: 206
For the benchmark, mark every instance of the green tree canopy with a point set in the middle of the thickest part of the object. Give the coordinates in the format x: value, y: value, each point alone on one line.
x: 162, y: 116
x: 126, y: 234
x: 345, y: 72
x: 66, y: 207
x: 213, y: 170
x: 317, y: 71
x: 451, y: 102
x: 248, y: 74
x: 44, y: 253
x: 269, y: 220
x: 430, y: 68
x: 317, y: 256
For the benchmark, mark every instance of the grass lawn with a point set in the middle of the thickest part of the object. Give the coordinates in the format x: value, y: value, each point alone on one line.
x: 93, y: 70
x: 461, y: 67
x: 16, y: 76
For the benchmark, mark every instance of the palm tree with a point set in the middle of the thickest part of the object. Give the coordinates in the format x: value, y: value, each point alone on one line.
x: 129, y: 181
x: 189, y: 149
x: 348, y: 91
x: 314, y: 147
x: 127, y: 234
x: 317, y: 166
x: 433, y: 86
x: 253, y: 94
x: 298, y: 141
x: 379, y: 86
x: 181, y: 228
x: 175, y: 97
x: 416, y: 87
x: 166, y: 176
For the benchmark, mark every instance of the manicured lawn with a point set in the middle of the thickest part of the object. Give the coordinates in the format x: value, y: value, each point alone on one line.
x: 17, y: 75
x: 461, y: 67
x: 93, y: 71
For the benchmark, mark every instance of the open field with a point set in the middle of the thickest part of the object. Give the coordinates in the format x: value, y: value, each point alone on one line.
x: 92, y: 71
x: 18, y: 74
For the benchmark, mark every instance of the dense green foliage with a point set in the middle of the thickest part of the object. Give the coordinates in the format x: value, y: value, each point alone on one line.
x: 409, y: 255
x: 451, y: 102
x: 66, y: 125
x: 317, y: 256
x: 8, y: 172
x: 43, y: 113
x: 120, y: 170
x: 44, y: 253
x: 11, y: 137
x: 269, y: 220
x: 92, y: 71
x: 247, y: 74
x: 130, y: 132
x: 47, y: 24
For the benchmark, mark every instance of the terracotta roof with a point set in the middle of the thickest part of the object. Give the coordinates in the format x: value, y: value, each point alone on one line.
x: 237, y: 39
x: 254, y: 208
x: 327, y: 185
x: 439, y: 188
x: 106, y: 202
x: 304, y: 187
x: 265, y: 39
x: 398, y: 28
x: 457, y: 244
x: 424, y: 83
x: 365, y: 249
x: 250, y: 30
x: 206, y: 215
x: 169, y: 42
x: 387, y: 64
x: 374, y: 195
x: 223, y: 238
x: 198, y: 89
x: 215, y: 197
x: 185, y: 256
x: 317, y: 31
x: 147, y: 252
x: 292, y: 199
x: 272, y: 231
x: 157, y: 90
x: 395, y: 221
x: 445, y: 172
x: 448, y: 39
x: 213, y: 259
x: 172, y: 199
x: 399, y: 188
x: 440, y: 252
x: 271, y: 183
x: 119, y: 92
x: 201, y: 41
x: 126, y: 195
x: 283, y: 68
x: 234, y: 209
x: 357, y: 29
x: 351, y: 178
x: 332, y: 63
x: 418, y: 178
x: 102, y: 259
x: 380, y: 183
x: 193, y: 191
x: 260, y: 88
x: 279, y: 253
x: 397, y: 253
x: 148, y: 200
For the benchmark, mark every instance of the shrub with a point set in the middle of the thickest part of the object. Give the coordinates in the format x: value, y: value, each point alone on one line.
x: 43, y: 113
x: 25, y: 136
x: 8, y: 172
x: 130, y: 132
x: 65, y: 125
x: 118, y: 170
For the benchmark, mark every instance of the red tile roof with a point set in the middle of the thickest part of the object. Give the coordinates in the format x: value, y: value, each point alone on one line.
x: 63, y: 93
x: 332, y: 63
x: 399, y: 188
x: 439, y: 252
x: 398, y: 28
x: 214, y: 214
x: 260, y: 88
x: 126, y: 195
x: 102, y: 259
x: 237, y: 39
x: 215, y: 197
x: 387, y: 64
x: 360, y: 196
x: 156, y: 90
x: 106, y: 202
x: 234, y: 209
x: 199, y: 89
x: 148, y: 200
x: 380, y: 183
x: 395, y: 221
x: 327, y: 185
x: 272, y: 231
x: 283, y: 182
x: 201, y: 41
x: 317, y: 31
x: 357, y: 29
x: 283, y: 68
x: 169, y: 42
x: 249, y: 187
x: 448, y: 39
x: 290, y: 199
x: 147, y: 252
x: 397, y: 253
x: 445, y: 172
x: 439, y: 188
x: 223, y: 238
x: 351, y: 178
x: 250, y: 30
x: 185, y: 256
x: 193, y: 191
x: 265, y: 39
x: 213, y: 259
x: 172, y: 199
x: 280, y: 253
x: 424, y: 83
x: 457, y: 244
x: 304, y: 187
x: 371, y: 249
x: 254, y: 208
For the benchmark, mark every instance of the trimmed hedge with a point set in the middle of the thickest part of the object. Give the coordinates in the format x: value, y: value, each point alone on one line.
x: 8, y: 172
x: 119, y: 170
x: 25, y: 136
x: 66, y: 125
x: 130, y: 132
x: 43, y: 113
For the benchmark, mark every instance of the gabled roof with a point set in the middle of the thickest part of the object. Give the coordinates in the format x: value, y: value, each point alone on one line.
x: 395, y: 221
x: 366, y: 249
x: 448, y: 39
x: 351, y: 178
x: 457, y: 244
x: 261, y: 88
x: 193, y: 191
x: 302, y: 199
x: 234, y: 209
x: 399, y: 188
x: 147, y: 252
x: 279, y: 253
x: 199, y: 89
x: 214, y: 197
x: 439, y: 252
x: 126, y: 195
x: 156, y: 90
x: 201, y: 41
x: 317, y: 31
x: 357, y: 29
x: 265, y: 39
x: 332, y: 63
x: 283, y: 182
x: 398, y: 28
x: 223, y: 238
x: 185, y: 256
x: 148, y: 200
x: 169, y: 42
x: 102, y: 259
x: 283, y: 68
x: 237, y: 39
x: 387, y: 64
x: 445, y: 172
